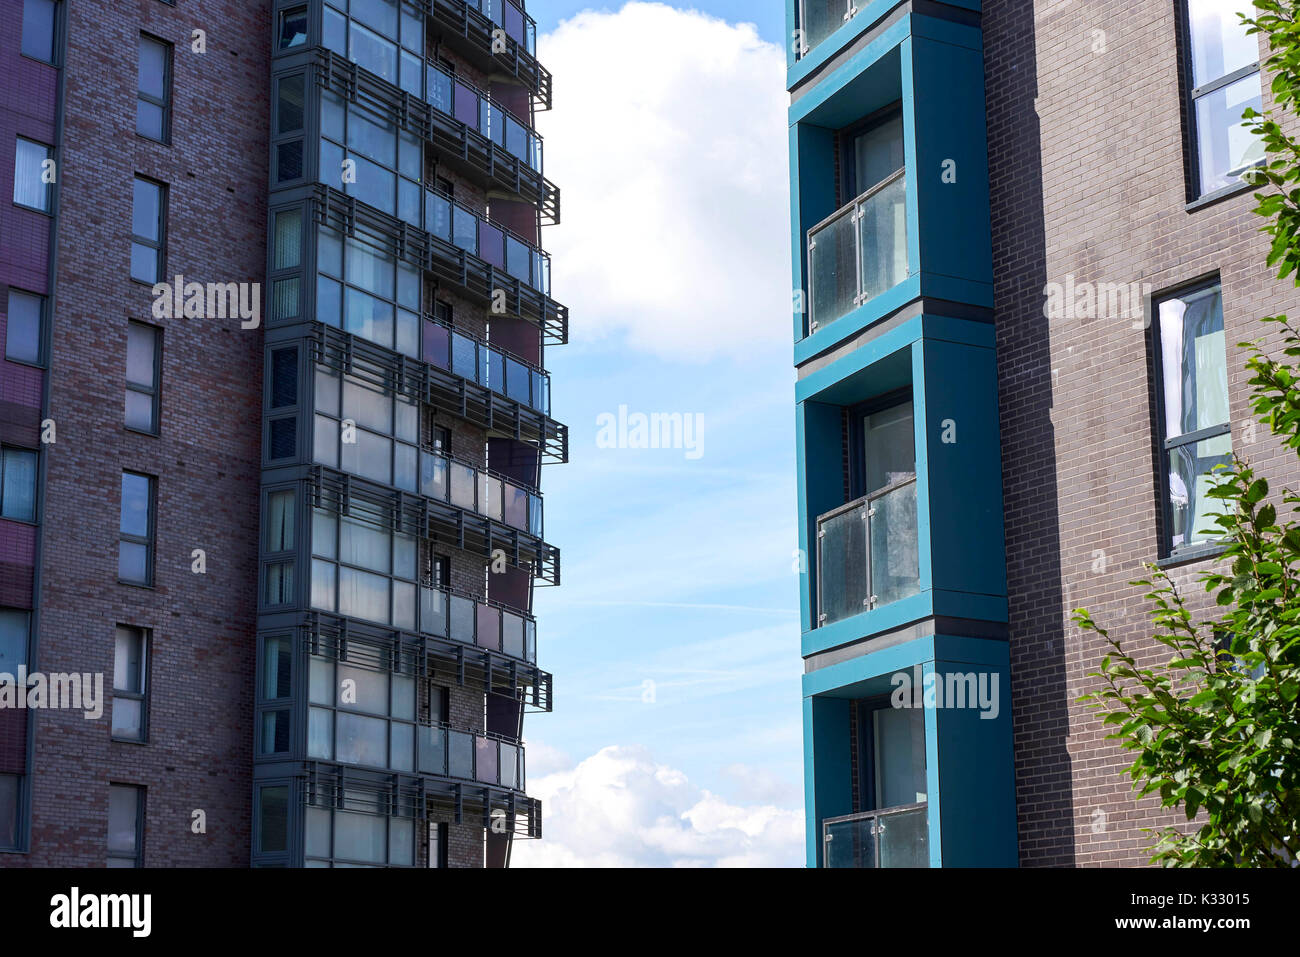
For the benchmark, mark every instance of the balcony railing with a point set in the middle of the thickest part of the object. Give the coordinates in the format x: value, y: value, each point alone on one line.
x: 894, y: 837
x: 474, y: 22
x: 818, y: 19
x: 867, y: 553
x: 473, y: 756
x: 473, y: 359
x: 480, y: 490
x: 511, y: 18
x: 448, y: 614
x: 457, y: 224
x: 471, y: 106
x: 858, y: 252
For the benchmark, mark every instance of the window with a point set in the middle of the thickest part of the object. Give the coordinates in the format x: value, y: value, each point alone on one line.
x: 279, y: 540
x: 143, y: 372
x: 125, y: 825
x: 149, y: 216
x: 1224, y: 63
x: 277, y: 665
x: 290, y: 102
x: 273, y: 814
x: 293, y: 28
x: 438, y: 573
x: 154, y: 89
x: 135, y: 548
x: 24, y: 327
x: 437, y: 845
x: 40, y: 29
x: 11, y: 790
x: 18, y: 485
x: 15, y: 633
x: 130, y: 683
x: 1195, y: 433
x: 34, y: 175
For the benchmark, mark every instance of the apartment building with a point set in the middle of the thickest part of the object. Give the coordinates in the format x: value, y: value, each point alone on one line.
x: 275, y: 410
x: 1027, y: 257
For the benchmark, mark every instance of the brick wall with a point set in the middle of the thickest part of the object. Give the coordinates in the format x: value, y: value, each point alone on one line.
x: 206, y: 459
x: 1086, y: 149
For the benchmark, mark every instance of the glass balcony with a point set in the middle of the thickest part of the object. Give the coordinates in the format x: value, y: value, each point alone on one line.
x: 867, y: 553
x: 460, y: 226
x: 818, y: 19
x: 510, y: 17
x: 859, y: 252
x: 461, y: 101
x: 491, y: 495
x: 448, y: 614
x: 894, y: 837
x: 485, y: 758
x: 466, y: 356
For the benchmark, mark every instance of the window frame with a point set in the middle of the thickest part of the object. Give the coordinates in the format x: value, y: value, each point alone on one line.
x: 149, y: 540
x: 20, y: 830
x: 159, y: 247
x: 44, y: 303
x: 1191, y: 94
x: 165, y: 104
x: 146, y: 656
x: 48, y: 209
x: 849, y: 186
x: 27, y: 648
x: 155, y: 390
x: 5, y: 449
x: 1161, y: 444
x: 56, y: 36
x: 137, y: 858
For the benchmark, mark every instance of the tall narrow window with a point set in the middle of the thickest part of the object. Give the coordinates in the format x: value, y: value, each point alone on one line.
x: 25, y: 327
x: 40, y: 29
x: 34, y: 175
x: 273, y: 820
x: 18, y: 484
x: 143, y: 372
x: 1224, y: 81
x: 15, y: 635
x: 154, y: 89
x: 125, y: 825
x: 437, y: 845
x: 1195, y: 423
x: 130, y: 683
x: 136, y: 545
x: 148, y: 230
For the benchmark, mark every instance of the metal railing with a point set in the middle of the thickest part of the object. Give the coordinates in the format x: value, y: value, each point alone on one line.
x: 452, y: 95
x: 858, y: 252
x: 893, y: 837
x: 489, y: 241
x: 471, y: 358
x: 867, y: 553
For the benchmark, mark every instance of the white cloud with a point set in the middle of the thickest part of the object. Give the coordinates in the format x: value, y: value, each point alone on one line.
x: 619, y: 808
x: 668, y: 142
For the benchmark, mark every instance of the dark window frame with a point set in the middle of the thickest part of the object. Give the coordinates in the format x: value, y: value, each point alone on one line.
x: 857, y: 440
x: 48, y: 208
x: 146, y: 656
x: 27, y: 650
x: 1191, y: 94
x: 154, y: 391
x: 56, y: 37
x: 36, y: 483
x: 10, y: 292
x: 850, y: 188
x: 137, y: 858
x: 165, y: 103
x: 159, y: 247
x: 149, y: 540
x: 1161, y: 444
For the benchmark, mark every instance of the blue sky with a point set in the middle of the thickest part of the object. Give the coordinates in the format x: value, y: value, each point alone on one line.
x: 674, y: 638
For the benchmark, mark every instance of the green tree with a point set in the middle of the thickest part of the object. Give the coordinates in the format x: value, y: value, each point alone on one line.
x: 1216, y: 727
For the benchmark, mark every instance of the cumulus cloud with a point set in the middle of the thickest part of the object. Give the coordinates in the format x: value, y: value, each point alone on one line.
x: 668, y: 142
x: 620, y: 808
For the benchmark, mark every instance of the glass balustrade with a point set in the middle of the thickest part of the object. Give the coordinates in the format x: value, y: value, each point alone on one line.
x: 818, y: 19
x: 517, y: 25
x: 858, y: 253
x: 894, y: 837
x: 450, y: 221
x: 460, y: 100
x: 473, y: 757
x: 868, y: 553
x: 466, y: 356
x: 490, y: 495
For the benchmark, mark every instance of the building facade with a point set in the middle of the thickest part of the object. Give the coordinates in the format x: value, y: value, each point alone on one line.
x: 317, y: 410
x: 1026, y: 257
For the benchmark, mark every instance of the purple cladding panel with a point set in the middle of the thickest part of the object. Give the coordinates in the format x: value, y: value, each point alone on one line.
x: 516, y: 460
x: 519, y: 337
x: 491, y: 244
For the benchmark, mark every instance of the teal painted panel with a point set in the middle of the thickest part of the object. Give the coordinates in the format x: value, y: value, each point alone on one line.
x: 828, y: 787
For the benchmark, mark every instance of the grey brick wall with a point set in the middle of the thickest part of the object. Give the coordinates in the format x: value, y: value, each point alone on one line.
x: 1088, y: 178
